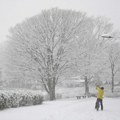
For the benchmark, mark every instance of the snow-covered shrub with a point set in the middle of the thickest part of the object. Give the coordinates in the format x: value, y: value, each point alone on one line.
x: 2, y: 102
x: 30, y: 98
x: 11, y: 99
x: 16, y: 98
x: 36, y: 100
x: 26, y: 99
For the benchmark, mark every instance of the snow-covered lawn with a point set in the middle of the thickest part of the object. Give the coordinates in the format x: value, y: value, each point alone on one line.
x: 69, y: 109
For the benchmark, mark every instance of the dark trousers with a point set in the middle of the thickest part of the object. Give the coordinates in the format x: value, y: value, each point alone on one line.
x: 99, y: 103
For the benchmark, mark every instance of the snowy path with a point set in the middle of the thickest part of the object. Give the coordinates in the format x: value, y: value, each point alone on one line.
x: 65, y: 110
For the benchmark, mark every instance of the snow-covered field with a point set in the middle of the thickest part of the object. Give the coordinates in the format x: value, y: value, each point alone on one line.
x: 69, y: 109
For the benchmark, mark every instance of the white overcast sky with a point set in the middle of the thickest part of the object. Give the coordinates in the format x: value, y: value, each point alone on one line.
x: 15, y: 11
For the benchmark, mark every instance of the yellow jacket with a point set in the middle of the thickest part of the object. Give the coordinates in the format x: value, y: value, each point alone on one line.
x: 100, y: 93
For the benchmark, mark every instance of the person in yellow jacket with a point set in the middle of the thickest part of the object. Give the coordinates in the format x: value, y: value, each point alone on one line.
x: 99, y: 97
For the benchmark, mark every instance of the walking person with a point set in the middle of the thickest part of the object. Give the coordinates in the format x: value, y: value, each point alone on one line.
x: 99, y: 101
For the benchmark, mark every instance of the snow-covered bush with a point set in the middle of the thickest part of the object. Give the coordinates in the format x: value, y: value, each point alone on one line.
x: 2, y: 102
x: 16, y: 98
x: 30, y: 98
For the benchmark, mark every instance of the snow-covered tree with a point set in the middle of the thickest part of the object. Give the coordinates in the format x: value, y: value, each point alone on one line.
x: 114, y: 61
x: 43, y: 44
x: 90, y: 59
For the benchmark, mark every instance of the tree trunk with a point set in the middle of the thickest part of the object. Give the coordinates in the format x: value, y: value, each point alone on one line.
x: 86, y: 86
x: 52, y: 90
x: 112, y: 72
x: 51, y: 78
x: 52, y: 94
x: 112, y: 82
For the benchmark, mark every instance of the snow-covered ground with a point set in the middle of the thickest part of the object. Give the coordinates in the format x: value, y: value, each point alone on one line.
x: 69, y: 109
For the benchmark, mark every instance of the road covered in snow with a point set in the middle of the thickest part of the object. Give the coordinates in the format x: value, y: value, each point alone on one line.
x: 69, y: 109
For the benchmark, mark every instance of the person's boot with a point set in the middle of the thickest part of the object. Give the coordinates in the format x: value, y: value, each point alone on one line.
x: 102, y: 107
x: 97, y: 106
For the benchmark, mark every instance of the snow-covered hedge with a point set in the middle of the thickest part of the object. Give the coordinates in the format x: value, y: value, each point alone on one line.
x: 17, y: 98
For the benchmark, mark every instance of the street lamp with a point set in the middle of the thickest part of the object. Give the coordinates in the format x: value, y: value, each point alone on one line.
x: 110, y: 38
x: 106, y: 36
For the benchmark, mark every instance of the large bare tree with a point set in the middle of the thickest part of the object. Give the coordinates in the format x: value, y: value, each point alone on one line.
x: 44, y: 42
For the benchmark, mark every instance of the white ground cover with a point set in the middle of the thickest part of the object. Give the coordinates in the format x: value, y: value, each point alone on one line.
x: 67, y: 109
